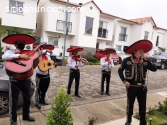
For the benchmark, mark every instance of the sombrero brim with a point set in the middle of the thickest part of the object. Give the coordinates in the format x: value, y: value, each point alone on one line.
x: 146, y: 45
x: 50, y: 47
x: 75, y: 49
x: 110, y: 51
x: 11, y: 39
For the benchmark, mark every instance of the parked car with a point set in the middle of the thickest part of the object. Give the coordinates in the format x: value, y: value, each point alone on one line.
x: 4, y: 93
x: 113, y: 56
x: 121, y: 55
x: 57, y: 59
x: 160, y: 60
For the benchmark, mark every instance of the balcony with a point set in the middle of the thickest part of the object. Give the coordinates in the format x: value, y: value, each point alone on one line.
x: 103, y: 33
x: 122, y: 37
x: 62, y: 24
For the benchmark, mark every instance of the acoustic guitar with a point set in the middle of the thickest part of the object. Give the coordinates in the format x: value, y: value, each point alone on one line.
x: 44, y: 65
x: 20, y: 68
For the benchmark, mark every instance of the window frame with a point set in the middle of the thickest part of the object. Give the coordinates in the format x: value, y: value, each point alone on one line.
x: 51, y: 37
x: 86, y: 25
x: 15, y: 12
x: 124, y: 35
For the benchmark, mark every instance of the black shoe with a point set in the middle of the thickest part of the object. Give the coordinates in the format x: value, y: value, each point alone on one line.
x: 102, y: 93
x: 13, y: 123
x: 29, y: 119
x: 38, y: 106
x: 108, y: 94
x: 44, y: 103
x: 127, y: 123
x: 77, y: 95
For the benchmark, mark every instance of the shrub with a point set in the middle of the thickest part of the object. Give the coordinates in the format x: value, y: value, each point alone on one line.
x: 60, y: 113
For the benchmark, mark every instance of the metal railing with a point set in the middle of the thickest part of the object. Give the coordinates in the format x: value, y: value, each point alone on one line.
x: 122, y: 37
x: 102, y: 33
x: 61, y: 26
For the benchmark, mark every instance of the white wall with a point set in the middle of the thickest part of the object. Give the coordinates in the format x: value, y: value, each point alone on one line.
x: 135, y: 33
x: 110, y: 25
x: 26, y: 20
x: 84, y: 39
x: 118, y: 30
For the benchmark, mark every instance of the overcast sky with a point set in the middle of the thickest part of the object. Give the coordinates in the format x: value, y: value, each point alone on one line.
x: 131, y: 9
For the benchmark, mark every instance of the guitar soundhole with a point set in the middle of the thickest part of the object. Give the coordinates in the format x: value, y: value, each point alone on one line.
x: 49, y: 64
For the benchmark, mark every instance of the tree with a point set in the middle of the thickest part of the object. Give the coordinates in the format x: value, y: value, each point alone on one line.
x: 60, y: 113
x: 2, y: 32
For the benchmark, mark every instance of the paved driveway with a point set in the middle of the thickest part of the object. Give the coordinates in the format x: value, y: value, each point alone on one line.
x: 89, y: 87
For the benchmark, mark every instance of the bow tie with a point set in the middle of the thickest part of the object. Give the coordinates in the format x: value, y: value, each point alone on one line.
x: 136, y: 61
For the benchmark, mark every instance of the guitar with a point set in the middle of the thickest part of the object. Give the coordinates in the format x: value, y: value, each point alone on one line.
x: 44, y: 65
x: 20, y: 68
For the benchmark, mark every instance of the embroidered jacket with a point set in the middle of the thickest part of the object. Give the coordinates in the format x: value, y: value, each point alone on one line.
x: 135, y: 72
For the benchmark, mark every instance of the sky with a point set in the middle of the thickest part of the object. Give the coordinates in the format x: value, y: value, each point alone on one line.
x: 131, y: 9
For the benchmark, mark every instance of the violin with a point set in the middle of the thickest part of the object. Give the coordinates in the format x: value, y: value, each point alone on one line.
x: 84, y: 60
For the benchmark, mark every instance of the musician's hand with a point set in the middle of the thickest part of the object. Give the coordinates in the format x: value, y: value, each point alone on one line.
x: 49, y: 51
x: 76, y: 66
x: 79, y: 59
x: 40, y: 52
x: 55, y: 64
x: 127, y: 84
x: 146, y: 57
x: 24, y: 56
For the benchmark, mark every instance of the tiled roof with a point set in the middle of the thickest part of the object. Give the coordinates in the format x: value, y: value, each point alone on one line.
x: 143, y: 20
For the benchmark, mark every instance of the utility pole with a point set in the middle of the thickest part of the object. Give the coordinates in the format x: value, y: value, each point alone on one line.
x: 66, y: 31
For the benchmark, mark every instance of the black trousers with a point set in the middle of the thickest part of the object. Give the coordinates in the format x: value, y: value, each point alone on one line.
x: 42, y: 85
x: 16, y: 86
x: 105, y: 77
x: 74, y: 74
x: 141, y: 95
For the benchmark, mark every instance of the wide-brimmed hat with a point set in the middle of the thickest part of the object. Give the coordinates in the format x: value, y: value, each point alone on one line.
x: 107, y: 50
x: 11, y: 39
x: 146, y: 45
x: 48, y: 46
x: 75, y: 49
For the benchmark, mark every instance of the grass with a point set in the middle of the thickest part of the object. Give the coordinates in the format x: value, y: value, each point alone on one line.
x: 158, y: 118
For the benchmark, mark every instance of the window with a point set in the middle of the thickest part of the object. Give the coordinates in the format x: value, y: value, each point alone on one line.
x: 53, y: 41
x: 89, y: 25
x: 61, y: 23
x: 152, y: 36
x: 118, y: 47
x: 157, y: 42
x: 102, y: 32
x: 97, y: 45
x: 15, y: 7
x: 146, y: 35
x: 122, y: 34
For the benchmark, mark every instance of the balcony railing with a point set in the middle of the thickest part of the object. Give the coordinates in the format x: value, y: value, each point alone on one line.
x: 102, y: 33
x: 62, y: 24
x: 122, y: 37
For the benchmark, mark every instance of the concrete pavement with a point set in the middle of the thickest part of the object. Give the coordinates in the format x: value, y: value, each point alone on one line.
x: 111, y: 112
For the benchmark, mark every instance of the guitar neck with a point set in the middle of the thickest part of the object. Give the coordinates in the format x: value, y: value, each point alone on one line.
x: 36, y: 49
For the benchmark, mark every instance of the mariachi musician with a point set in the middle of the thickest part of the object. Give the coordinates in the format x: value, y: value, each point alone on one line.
x: 136, y: 67
x: 16, y: 85
x: 43, y: 76
x: 74, y: 62
x: 106, y: 65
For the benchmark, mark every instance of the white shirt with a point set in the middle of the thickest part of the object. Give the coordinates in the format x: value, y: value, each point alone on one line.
x: 71, y: 63
x: 104, y: 64
x: 38, y: 70
x: 10, y: 54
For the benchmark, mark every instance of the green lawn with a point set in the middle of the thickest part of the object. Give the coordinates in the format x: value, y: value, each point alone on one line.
x: 158, y: 118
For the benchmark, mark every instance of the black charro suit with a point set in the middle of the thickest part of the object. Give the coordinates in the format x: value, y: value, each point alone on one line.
x: 135, y: 74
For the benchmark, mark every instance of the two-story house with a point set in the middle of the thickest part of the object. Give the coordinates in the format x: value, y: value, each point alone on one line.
x: 90, y: 27
x: 18, y: 13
